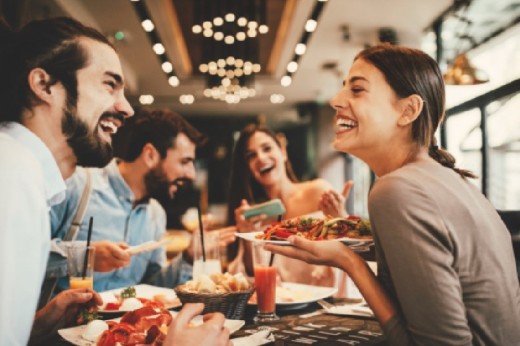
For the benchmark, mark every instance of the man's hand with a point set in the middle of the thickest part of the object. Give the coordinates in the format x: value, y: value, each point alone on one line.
x: 110, y: 256
x: 226, y: 235
x: 211, y: 333
x: 61, y: 312
x: 334, y: 204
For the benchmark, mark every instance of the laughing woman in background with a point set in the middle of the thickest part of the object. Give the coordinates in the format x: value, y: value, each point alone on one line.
x: 261, y: 171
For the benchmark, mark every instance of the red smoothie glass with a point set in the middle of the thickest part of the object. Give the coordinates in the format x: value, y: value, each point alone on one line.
x: 265, y: 285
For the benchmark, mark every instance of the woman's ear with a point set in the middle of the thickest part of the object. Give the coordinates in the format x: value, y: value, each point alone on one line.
x: 150, y: 155
x: 40, y: 83
x: 413, y: 106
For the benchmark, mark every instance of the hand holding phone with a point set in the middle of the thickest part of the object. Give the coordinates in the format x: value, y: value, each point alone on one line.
x: 271, y: 209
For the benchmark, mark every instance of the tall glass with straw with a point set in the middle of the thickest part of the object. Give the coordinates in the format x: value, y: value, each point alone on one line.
x: 80, y: 262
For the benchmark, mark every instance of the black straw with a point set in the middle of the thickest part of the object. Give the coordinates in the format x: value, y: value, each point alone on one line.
x: 201, y: 233
x: 272, y: 254
x: 89, y: 235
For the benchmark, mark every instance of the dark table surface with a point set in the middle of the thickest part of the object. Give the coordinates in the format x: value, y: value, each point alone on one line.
x: 308, y: 325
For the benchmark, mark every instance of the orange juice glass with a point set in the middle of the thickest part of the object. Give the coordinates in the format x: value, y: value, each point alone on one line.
x: 81, y: 270
x: 80, y: 282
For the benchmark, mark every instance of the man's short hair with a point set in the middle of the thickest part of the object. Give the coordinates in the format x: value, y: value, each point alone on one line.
x: 158, y: 127
x: 51, y: 44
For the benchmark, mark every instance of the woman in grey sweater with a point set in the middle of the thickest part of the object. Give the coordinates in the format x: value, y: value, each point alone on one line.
x: 446, y: 268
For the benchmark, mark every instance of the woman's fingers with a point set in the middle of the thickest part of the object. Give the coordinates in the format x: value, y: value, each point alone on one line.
x: 346, y: 188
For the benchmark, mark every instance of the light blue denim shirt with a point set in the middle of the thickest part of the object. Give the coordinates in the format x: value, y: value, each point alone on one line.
x: 116, y: 219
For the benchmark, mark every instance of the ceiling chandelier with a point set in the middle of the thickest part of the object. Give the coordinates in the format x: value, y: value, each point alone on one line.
x: 230, y: 50
x: 231, y: 21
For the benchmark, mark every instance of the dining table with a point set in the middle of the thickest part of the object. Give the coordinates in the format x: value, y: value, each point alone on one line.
x: 306, y: 324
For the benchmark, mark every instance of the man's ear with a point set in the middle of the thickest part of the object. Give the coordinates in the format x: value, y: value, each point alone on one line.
x: 150, y: 155
x: 413, y: 106
x: 40, y: 83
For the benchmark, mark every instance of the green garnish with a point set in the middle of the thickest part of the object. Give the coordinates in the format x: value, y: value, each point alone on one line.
x: 128, y: 292
x: 87, y: 314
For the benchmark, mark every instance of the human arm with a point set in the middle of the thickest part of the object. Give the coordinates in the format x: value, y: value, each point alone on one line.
x: 336, y: 254
x: 211, y: 333
x: 333, y: 203
x: 110, y: 255
x: 247, y: 225
x: 61, y: 312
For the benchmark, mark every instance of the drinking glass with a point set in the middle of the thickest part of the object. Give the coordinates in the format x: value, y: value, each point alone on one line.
x: 81, y: 271
x: 265, y: 285
x: 212, y: 263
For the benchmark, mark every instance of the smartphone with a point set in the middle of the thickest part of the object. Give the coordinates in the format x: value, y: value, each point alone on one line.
x: 271, y: 208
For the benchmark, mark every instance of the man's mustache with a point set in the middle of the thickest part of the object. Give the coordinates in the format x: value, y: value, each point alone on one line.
x: 182, y: 183
x: 115, y: 115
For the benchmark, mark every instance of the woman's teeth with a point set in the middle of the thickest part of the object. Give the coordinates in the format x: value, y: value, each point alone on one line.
x: 266, y: 169
x: 346, y: 123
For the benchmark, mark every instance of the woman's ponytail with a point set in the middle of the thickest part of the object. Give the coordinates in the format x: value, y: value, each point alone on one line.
x: 447, y: 160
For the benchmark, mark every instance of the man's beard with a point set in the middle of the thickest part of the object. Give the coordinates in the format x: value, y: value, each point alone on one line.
x: 157, y: 184
x: 88, y: 147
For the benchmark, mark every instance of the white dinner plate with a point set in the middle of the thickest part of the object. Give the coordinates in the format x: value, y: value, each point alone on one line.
x: 252, y: 236
x: 73, y: 334
x: 298, y: 295
x: 142, y: 291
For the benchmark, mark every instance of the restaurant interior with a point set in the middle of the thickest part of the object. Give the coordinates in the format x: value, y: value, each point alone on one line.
x: 299, y: 55
x: 282, y: 65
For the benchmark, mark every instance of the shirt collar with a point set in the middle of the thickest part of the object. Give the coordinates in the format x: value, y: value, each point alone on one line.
x: 118, y: 183
x: 54, y: 184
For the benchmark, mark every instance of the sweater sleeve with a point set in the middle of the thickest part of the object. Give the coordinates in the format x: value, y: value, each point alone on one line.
x: 419, y: 255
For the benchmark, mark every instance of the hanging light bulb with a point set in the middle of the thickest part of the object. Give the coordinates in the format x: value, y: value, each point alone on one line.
x: 462, y: 72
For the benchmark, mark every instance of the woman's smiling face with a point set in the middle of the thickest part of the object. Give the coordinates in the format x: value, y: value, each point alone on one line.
x: 367, y: 110
x: 265, y: 159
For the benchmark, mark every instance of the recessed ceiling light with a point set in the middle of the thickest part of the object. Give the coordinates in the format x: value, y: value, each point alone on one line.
x: 167, y: 67
x: 300, y: 48
x: 158, y: 48
x: 292, y: 66
x: 173, y: 81
x: 286, y: 81
x: 311, y: 25
x: 147, y: 25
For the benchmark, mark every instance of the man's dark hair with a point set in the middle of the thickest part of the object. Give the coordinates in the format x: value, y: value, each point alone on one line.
x: 50, y: 44
x: 158, y: 127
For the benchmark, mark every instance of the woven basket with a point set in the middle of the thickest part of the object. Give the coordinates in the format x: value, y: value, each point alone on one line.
x: 231, y: 304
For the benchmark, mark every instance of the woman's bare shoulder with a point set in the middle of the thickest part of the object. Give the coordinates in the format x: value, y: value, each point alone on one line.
x: 315, y: 186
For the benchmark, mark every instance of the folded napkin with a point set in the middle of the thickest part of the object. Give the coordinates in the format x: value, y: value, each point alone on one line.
x: 259, y: 338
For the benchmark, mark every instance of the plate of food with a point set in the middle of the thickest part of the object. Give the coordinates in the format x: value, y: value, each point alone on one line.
x: 122, y: 300
x: 351, y: 230
x: 290, y: 295
x: 142, y: 326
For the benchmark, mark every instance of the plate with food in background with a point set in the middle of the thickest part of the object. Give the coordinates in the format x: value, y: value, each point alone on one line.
x: 122, y: 300
x: 290, y: 295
